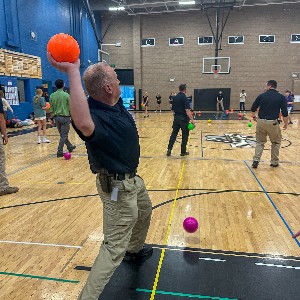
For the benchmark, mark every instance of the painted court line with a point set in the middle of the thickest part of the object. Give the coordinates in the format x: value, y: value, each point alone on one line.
x: 254, y: 255
x: 41, y: 244
x: 278, y: 266
x: 212, y: 259
x: 273, y: 204
x: 39, y: 277
x: 184, y: 295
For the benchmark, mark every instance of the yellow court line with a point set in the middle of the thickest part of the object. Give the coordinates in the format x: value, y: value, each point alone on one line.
x: 167, y: 234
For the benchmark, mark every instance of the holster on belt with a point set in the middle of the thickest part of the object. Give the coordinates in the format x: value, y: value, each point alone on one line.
x: 105, y: 182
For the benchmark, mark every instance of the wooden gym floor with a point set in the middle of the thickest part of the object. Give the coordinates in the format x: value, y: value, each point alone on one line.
x: 51, y: 230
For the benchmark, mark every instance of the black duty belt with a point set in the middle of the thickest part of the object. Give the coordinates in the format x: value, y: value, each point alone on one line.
x: 116, y: 176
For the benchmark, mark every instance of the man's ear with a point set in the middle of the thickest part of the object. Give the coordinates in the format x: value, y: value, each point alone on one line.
x: 108, y: 88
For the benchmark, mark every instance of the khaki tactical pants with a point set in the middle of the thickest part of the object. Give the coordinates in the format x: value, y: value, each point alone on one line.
x: 266, y: 128
x: 125, y: 226
x: 3, y: 179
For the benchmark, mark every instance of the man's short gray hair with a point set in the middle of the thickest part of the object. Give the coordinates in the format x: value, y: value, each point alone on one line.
x: 95, y: 77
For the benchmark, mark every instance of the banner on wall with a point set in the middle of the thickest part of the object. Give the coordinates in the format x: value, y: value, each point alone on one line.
x: 11, y: 95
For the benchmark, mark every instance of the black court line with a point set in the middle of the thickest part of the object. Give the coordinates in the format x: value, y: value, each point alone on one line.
x: 219, y: 192
x: 210, y: 191
x: 48, y: 201
x: 206, y: 274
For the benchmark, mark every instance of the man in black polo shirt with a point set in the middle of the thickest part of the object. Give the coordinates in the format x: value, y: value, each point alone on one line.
x: 112, y: 144
x: 269, y: 103
x: 182, y: 116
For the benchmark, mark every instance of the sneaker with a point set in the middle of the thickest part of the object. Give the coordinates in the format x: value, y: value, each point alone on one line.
x: 38, y: 140
x: 146, y: 252
x: 59, y: 154
x: 184, y: 154
x: 72, y: 149
x: 274, y: 165
x: 290, y: 122
x: 255, y: 164
x: 9, y: 190
x: 169, y: 152
x: 45, y: 140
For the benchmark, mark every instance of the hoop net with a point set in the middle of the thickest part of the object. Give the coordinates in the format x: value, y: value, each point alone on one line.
x: 215, y: 70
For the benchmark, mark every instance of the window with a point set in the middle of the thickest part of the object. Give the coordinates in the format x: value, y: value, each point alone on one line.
x: 295, y: 38
x: 205, y: 40
x: 177, y: 41
x: 267, y: 38
x: 148, y: 42
x: 237, y: 39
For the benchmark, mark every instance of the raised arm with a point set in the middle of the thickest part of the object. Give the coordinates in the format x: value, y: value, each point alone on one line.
x: 7, y: 105
x: 80, y: 112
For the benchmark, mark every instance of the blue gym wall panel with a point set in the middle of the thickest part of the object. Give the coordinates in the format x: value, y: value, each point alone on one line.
x: 19, y: 18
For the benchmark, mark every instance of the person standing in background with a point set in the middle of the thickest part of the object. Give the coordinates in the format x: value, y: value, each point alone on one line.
x: 243, y: 97
x: 146, y: 104
x: 6, y: 105
x: 269, y: 103
x: 158, y: 101
x: 60, y: 109
x: 39, y: 109
x: 182, y: 117
x: 290, y: 104
x: 220, y: 101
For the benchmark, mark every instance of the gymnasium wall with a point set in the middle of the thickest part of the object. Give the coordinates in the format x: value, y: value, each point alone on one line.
x: 252, y: 63
x: 18, y: 18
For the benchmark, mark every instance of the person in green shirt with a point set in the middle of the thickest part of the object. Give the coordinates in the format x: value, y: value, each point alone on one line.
x: 60, y: 110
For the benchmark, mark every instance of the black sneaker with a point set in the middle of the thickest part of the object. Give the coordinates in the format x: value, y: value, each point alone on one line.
x: 9, y: 190
x: 72, y: 149
x: 184, y: 154
x: 291, y: 122
x: 146, y: 252
x: 59, y: 154
x: 169, y: 152
x: 274, y: 165
x: 255, y: 164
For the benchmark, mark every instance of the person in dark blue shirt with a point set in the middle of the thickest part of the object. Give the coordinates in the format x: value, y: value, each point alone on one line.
x: 269, y: 104
x: 182, y: 117
x: 4, y: 185
x: 112, y: 143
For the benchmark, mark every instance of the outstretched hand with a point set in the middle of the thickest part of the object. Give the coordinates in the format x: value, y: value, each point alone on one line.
x: 64, y: 67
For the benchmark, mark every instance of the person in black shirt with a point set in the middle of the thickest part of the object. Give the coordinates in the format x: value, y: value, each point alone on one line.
x: 220, y: 101
x: 146, y: 104
x: 112, y: 143
x: 4, y: 184
x: 158, y: 101
x: 171, y: 99
x: 182, y: 116
x: 269, y: 103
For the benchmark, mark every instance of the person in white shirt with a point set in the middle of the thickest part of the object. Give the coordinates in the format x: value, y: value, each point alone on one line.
x: 243, y: 97
x: 5, y: 105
